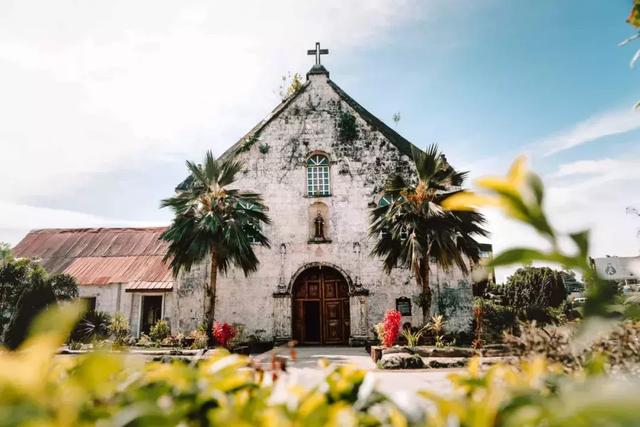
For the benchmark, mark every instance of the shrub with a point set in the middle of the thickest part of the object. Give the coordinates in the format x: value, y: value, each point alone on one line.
x: 18, y: 276
x: 412, y: 337
x: 119, y: 328
x: 539, y: 287
x: 160, y: 331
x: 619, y: 347
x: 35, y: 298
x: 146, y: 341
x: 224, y: 333
x: 199, y: 337
x: 436, y: 325
x: 391, y: 326
x: 496, y: 319
x: 94, y: 326
x: 75, y: 345
x: 174, y: 340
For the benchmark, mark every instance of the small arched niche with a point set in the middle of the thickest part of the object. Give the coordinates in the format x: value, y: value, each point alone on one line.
x: 319, y: 224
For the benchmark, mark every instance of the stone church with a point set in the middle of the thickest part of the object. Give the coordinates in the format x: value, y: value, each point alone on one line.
x: 320, y: 160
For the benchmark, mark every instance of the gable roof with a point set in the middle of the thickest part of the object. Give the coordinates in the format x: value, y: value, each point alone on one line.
x: 264, y: 122
x: 400, y: 142
x: 100, y: 256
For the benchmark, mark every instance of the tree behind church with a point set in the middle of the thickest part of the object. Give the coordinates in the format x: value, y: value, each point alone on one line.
x: 414, y: 228
x: 214, y: 222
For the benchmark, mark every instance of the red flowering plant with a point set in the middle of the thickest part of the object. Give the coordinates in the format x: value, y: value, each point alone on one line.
x: 391, y: 325
x: 223, y: 333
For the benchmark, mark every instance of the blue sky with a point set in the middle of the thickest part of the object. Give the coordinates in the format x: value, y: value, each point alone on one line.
x: 103, y: 101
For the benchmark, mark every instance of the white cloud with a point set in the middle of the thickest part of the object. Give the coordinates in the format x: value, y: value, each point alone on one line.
x: 584, y: 194
x: 88, y: 86
x: 591, y: 129
x: 94, y: 83
x: 587, y: 167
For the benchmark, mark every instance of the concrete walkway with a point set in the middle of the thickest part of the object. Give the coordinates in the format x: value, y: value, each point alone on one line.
x: 307, y: 370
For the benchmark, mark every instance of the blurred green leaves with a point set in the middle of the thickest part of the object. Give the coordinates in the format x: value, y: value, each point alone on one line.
x: 520, y: 196
x: 38, y: 387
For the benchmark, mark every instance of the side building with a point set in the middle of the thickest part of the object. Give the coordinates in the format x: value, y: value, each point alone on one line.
x: 117, y: 269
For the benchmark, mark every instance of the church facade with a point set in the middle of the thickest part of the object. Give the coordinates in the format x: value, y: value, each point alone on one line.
x: 320, y: 161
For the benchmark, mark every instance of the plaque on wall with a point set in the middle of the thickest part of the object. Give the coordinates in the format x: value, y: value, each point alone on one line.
x: 403, y: 305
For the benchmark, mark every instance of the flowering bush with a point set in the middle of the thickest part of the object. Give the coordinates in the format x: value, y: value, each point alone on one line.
x: 223, y: 333
x: 391, y: 325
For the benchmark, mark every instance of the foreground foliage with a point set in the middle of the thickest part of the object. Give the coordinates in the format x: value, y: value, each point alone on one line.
x: 37, y: 388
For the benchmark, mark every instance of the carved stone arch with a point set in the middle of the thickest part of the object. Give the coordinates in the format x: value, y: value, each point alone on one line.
x: 307, y: 266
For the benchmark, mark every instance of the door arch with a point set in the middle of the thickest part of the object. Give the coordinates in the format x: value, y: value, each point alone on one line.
x: 320, y: 307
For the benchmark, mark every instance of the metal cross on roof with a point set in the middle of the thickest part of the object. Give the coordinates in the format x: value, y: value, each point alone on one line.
x: 317, y: 52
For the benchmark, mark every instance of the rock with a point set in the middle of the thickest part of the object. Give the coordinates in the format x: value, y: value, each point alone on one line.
x: 401, y: 361
x: 493, y: 350
x: 446, y: 363
x: 397, y: 350
x: 453, y: 352
x: 163, y: 359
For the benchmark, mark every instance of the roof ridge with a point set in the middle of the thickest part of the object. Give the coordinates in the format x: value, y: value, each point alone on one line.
x: 94, y: 229
x: 404, y: 145
x: 265, y: 121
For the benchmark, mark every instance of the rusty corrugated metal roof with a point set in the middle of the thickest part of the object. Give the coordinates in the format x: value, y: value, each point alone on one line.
x: 149, y: 287
x: 98, y: 256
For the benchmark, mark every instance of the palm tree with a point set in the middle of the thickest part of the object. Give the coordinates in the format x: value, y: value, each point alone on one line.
x: 412, y: 228
x: 214, y: 222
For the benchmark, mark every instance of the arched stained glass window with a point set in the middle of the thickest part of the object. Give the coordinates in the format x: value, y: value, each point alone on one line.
x: 318, y: 176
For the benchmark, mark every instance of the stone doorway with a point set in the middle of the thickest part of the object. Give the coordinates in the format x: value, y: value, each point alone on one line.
x: 320, y: 307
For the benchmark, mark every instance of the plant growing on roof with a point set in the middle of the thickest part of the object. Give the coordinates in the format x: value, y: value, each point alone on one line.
x: 347, y: 127
x: 290, y: 85
x: 216, y: 223
x: 414, y: 229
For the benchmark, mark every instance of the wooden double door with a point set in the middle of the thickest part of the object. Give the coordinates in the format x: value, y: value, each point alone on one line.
x: 321, y: 307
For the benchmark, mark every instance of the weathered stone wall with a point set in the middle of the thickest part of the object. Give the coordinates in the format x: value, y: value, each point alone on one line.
x: 276, y: 167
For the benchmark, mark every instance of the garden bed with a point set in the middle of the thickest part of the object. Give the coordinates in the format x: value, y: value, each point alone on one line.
x: 429, y: 357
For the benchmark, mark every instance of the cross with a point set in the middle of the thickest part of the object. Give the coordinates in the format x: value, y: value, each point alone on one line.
x: 317, y: 52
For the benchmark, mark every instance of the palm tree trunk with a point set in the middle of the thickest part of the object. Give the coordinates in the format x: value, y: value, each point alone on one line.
x: 211, y: 296
x: 426, y: 289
